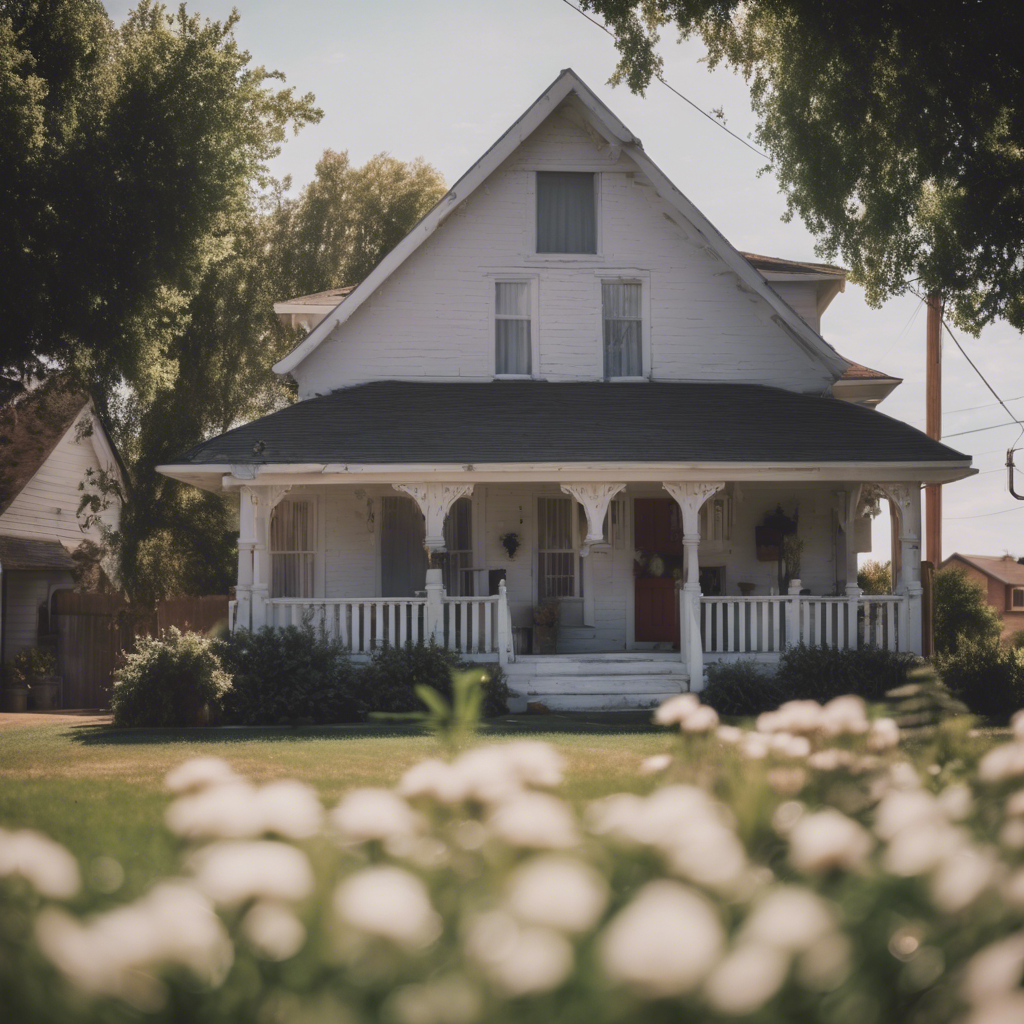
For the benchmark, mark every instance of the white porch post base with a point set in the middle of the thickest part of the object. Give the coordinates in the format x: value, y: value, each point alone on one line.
x: 433, y: 625
x: 793, y: 623
x: 853, y: 596
x: 504, y: 623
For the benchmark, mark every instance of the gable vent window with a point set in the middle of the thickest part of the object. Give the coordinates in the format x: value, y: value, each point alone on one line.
x: 566, y: 216
x: 623, y: 329
x: 512, y: 316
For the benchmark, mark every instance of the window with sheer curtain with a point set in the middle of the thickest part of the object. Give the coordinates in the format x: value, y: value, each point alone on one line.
x: 458, y: 559
x: 623, y: 329
x: 292, y: 548
x: 556, y: 551
x: 513, y: 314
x: 566, y: 212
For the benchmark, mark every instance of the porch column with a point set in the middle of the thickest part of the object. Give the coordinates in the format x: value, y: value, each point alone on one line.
x: 690, y: 497
x: 434, y: 501
x: 263, y: 500
x: 906, y: 497
x: 853, y: 591
x: 246, y: 544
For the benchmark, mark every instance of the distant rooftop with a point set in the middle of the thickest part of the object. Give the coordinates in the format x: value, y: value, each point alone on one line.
x: 777, y: 265
x: 1004, y: 568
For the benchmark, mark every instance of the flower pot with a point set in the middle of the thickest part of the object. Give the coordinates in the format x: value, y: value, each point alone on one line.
x: 44, y: 693
x: 15, y: 698
x: 545, y: 639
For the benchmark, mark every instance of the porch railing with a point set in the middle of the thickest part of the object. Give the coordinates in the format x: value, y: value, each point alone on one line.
x: 768, y: 624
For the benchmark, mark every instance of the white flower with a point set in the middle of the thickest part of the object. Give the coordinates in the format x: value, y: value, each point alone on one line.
x: 676, y: 710
x: 655, y: 764
x: 290, y: 809
x: 825, y: 965
x: 1008, y: 1010
x: 746, y: 979
x: 557, y: 892
x: 729, y: 734
x: 535, y: 763
x: 616, y: 815
x: 1002, y: 763
x: 273, y: 931
x: 434, y: 779
x: 796, y: 716
x: 956, y: 802
x: 790, y: 918
x: 1015, y: 804
x: 518, y: 960
x: 366, y: 814
x: 754, y: 745
x: 1011, y: 835
x: 488, y: 774
x: 199, y: 773
x: 665, y: 942
x: 535, y: 820
x: 831, y: 759
x: 44, y: 864
x: 844, y: 716
x: 231, y: 872
x: 788, y: 745
x: 962, y: 877
x: 883, y: 735
x: 707, y: 852
x: 994, y: 971
x: 227, y: 810
x: 1017, y: 724
x: 1012, y: 890
x: 701, y: 719
x: 388, y: 903
x: 902, y: 809
x: 450, y: 999
x: 828, y: 839
x: 919, y: 847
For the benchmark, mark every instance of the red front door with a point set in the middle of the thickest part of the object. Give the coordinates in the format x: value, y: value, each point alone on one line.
x: 657, y: 530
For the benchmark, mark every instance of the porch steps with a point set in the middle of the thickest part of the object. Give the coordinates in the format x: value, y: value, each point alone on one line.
x: 623, y: 681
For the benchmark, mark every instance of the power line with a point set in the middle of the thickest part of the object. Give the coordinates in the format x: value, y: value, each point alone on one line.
x: 974, y: 408
x: 985, y: 515
x: 978, y: 430
x: 700, y: 110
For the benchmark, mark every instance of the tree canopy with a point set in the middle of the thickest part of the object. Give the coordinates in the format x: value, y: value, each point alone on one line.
x: 896, y: 130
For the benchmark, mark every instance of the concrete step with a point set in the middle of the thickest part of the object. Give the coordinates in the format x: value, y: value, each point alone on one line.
x: 592, y: 702
x: 575, y: 669
x: 535, y: 686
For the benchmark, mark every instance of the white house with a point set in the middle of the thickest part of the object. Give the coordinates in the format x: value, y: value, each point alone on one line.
x: 565, y: 349
x: 49, y: 440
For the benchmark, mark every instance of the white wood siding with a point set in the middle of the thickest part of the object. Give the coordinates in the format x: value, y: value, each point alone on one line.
x: 47, y: 505
x: 433, y: 319
x: 802, y: 297
x: 27, y: 592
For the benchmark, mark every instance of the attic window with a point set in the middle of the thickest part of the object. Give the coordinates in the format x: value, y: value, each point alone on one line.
x: 1017, y: 598
x: 566, y: 215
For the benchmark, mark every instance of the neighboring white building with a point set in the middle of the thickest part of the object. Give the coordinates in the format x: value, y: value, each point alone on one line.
x: 565, y: 349
x: 49, y: 439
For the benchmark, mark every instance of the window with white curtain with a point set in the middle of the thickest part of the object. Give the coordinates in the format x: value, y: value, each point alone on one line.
x: 621, y: 312
x: 566, y: 212
x: 513, y: 315
x: 293, y: 548
x: 457, y: 561
x: 557, y: 549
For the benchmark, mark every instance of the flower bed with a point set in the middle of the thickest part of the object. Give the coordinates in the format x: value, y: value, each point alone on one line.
x: 818, y: 867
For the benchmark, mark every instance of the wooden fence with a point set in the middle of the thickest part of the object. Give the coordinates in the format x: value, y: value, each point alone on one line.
x: 93, y: 629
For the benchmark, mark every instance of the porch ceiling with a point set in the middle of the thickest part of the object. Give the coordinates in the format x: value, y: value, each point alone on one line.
x: 530, y: 423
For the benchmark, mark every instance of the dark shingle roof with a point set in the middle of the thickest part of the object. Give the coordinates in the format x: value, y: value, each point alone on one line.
x: 390, y: 422
x: 26, y: 553
x: 777, y: 265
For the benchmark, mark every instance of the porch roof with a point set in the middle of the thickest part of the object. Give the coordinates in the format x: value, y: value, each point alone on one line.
x: 402, y: 422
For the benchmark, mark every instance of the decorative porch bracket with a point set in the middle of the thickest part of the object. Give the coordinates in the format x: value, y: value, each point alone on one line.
x: 595, y: 499
x: 434, y: 501
x: 690, y: 496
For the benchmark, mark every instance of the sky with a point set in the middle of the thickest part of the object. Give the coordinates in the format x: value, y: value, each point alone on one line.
x: 442, y: 79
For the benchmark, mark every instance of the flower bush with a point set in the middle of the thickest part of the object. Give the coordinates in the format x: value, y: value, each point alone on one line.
x: 818, y: 867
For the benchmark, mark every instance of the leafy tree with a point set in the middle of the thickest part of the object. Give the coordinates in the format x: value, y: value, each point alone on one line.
x: 962, y: 611
x: 896, y: 131
x: 875, y: 577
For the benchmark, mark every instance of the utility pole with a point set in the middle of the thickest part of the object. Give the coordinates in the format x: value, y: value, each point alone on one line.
x: 933, y: 425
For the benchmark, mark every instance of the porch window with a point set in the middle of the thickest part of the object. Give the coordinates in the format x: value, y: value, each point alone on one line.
x: 458, y: 560
x: 513, y: 313
x: 566, y: 214
x: 1017, y: 598
x: 292, y: 548
x: 623, y: 329
x: 557, y: 574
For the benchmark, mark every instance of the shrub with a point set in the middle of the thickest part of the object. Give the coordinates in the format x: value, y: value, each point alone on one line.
x: 742, y: 688
x: 388, y: 683
x: 1017, y: 639
x: 821, y: 673
x: 986, y: 676
x: 962, y: 610
x: 32, y: 663
x: 875, y: 577
x: 288, y: 676
x: 173, y: 680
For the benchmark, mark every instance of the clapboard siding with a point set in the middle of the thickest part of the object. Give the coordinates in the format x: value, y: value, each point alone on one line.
x: 433, y: 318
x: 46, y: 508
x: 26, y: 593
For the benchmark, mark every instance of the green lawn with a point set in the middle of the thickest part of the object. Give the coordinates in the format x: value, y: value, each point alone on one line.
x: 99, y: 790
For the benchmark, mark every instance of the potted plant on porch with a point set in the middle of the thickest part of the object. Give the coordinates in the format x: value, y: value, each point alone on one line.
x: 545, y: 625
x: 33, y: 671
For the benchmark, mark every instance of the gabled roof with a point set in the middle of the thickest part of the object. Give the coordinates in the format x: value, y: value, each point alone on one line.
x: 858, y: 372
x: 464, y: 424
x: 27, y: 554
x: 1004, y: 568
x: 617, y: 135
x: 776, y: 265
x: 31, y: 426
x: 330, y: 298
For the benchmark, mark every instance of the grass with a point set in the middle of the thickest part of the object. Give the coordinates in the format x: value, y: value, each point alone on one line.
x: 99, y: 791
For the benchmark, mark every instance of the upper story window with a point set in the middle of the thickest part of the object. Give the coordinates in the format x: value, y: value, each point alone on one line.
x: 1017, y: 598
x: 513, y: 325
x: 566, y: 212
x: 621, y: 312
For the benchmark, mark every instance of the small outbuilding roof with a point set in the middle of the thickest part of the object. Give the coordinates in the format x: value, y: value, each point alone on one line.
x: 1004, y: 568
x: 27, y: 554
x: 858, y: 372
x: 401, y: 422
x: 778, y: 265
